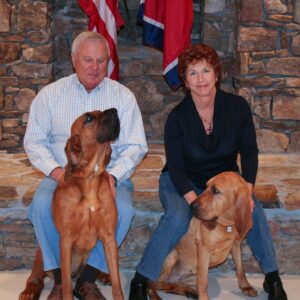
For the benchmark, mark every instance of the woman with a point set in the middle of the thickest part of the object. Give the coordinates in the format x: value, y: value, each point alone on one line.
x: 204, y: 134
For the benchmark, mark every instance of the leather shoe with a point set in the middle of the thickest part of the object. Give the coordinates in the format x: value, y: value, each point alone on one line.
x: 138, y: 291
x: 88, y: 291
x: 275, y: 290
x: 104, y: 278
x: 56, y: 293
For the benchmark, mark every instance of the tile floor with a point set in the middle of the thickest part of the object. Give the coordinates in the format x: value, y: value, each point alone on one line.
x: 221, y: 286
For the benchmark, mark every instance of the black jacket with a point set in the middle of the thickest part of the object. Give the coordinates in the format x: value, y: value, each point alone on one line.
x: 192, y: 155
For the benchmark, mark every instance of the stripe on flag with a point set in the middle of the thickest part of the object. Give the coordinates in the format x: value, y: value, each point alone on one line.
x: 167, y: 26
x: 104, y: 17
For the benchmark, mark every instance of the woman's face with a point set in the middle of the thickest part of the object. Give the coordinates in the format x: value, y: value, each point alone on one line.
x: 201, y: 79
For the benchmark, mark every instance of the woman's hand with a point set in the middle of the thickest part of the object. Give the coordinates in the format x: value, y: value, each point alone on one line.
x: 250, y: 188
x: 190, y: 197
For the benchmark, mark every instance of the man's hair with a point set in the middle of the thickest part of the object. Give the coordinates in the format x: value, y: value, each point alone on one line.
x: 89, y: 35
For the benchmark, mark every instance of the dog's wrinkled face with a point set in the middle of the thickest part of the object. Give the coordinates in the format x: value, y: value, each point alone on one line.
x: 97, y: 126
x: 225, y: 201
x: 220, y: 195
x: 88, y: 149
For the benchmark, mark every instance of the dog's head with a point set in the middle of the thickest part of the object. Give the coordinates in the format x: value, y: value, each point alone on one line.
x: 97, y: 126
x: 225, y: 201
x: 89, y: 144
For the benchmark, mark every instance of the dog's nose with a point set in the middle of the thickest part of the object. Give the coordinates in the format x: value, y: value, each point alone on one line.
x: 112, y: 111
x: 194, y: 205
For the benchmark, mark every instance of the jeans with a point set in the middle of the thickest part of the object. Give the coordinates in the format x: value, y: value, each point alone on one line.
x: 47, y: 235
x: 175, y: 223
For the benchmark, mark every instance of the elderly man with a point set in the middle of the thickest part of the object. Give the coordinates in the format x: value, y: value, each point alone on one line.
x: 51, y: 115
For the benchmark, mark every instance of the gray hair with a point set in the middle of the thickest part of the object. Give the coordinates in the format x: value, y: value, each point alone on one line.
x: 89, y: 35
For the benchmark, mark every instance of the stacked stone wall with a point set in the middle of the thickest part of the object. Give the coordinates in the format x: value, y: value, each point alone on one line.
x: 25, y: 63
x: 268, y: 73
x: 258, y: 42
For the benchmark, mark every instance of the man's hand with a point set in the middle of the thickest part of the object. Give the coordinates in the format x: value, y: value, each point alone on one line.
x: 112, y: 184
x: 57, y: 173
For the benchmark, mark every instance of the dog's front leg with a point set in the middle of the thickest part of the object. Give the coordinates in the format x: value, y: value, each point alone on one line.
x: 65, y: 263
x: 111, y: 255
x: 202, y: 271
x: 244, y: 285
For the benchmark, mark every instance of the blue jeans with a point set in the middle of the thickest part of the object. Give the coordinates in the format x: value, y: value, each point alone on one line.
x: 47, y: 235
x: 175, y: 223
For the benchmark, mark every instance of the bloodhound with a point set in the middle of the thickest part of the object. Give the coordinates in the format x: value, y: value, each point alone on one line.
x: 84, y: 209
x: 222, y: 217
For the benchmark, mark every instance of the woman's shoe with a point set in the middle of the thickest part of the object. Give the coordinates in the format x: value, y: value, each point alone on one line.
x: 275, y: 290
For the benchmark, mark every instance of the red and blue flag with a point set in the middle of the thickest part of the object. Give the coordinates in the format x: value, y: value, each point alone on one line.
x: 167, y: 26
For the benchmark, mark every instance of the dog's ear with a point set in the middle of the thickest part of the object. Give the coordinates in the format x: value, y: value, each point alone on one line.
x: 242, y: 215
x: 103, y: 157
x: 107, y: 156
x: 73, y: 152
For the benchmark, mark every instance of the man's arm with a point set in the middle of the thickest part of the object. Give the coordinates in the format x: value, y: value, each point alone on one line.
x: 37, y: 136
x: 131, y: 146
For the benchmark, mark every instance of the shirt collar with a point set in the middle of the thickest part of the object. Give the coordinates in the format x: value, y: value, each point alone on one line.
x: 82, y: 88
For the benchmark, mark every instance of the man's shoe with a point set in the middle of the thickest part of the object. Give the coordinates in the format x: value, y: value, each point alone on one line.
x: 275, y: 290
x: 138, y: 291
x: 56, y: 293
x: 88, y: 291
x: 104, y: 278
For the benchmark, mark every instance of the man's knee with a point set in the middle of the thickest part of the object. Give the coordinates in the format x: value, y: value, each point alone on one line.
x: 126, y: 212
x: 42, y: 199
x: 124, y: 200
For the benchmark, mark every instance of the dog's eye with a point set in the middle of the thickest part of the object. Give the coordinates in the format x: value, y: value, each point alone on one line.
x: 215, y: 191
x: 88, y: 118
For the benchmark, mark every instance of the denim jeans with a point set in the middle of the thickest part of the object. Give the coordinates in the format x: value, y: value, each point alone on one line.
x: 47, y: 235
x: 174, y: 223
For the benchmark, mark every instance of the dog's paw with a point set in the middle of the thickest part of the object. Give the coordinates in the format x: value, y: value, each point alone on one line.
x: 249, y: 291
x: 32, y: 290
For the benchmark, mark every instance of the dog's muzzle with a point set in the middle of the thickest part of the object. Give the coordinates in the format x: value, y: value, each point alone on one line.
x: 109, y: 127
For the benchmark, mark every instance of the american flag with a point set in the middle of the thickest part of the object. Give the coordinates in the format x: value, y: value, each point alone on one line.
x: 167, y: 25
x: 104, y: 17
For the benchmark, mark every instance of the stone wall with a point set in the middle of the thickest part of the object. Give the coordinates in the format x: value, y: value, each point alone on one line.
x: 277, y: 187
x: 258, y: 42
x: 25, y: 63
x: 268, y: 48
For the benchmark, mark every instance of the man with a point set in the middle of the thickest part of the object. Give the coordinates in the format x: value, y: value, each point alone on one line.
x: 51, y: 115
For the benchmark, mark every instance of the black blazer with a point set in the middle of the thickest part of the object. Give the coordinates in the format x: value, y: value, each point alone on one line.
x: 194, y: 156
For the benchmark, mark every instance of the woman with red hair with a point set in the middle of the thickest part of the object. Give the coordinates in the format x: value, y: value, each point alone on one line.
x: 204, y: 134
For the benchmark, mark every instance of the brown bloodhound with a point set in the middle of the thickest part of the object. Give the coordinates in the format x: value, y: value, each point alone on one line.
x: 222, y: 217
x: 84, y: 209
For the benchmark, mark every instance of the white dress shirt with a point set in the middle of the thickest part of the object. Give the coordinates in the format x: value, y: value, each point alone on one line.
x: 57, y: 105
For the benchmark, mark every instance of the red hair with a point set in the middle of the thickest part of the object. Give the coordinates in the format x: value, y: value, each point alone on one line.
x: 195, y: 53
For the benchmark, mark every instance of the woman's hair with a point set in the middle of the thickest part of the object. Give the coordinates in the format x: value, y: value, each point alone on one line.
x: 89, y: 35
x: 196, y: 53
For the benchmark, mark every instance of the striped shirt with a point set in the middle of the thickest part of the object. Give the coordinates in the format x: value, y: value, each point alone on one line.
x: 57, y: 105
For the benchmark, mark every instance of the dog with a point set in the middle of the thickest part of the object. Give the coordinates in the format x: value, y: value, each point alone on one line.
x: 221, y: 219
x: 84, y: 208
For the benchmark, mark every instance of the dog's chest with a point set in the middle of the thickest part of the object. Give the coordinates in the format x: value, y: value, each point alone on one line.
x: 219, y: 244
x: 88, y: 228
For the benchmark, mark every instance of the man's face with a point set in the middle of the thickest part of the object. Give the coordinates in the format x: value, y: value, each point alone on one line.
x: 90, y: 62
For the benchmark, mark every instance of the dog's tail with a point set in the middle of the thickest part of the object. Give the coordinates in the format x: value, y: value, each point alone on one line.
x: 173, y: 288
